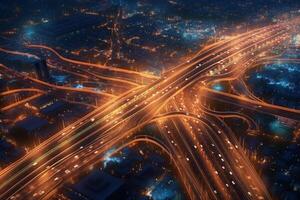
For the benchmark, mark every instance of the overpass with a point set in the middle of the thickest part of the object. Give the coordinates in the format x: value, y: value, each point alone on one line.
x: 41, y: 171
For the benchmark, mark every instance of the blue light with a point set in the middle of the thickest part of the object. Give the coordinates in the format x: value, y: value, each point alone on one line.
x: 109, y: 159
x: 282, y: 69
x: 190, y: 30
x: 162, y: 193
x: 59, y: 78
x: 278, y: 128
x: 163, y: 189
x: 28, y: 33
x: 258, y: 76
x: 218, y: 87
x: 278, y: 83
x: 79, y: 86
x: 191, y: 36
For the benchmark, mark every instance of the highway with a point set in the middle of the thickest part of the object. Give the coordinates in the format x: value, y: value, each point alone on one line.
x: 42, y: 170
x: 252, y: 104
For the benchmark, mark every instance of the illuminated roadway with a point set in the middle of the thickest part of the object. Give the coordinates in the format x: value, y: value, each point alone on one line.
x: 252, y: 105
x: 38, y: 174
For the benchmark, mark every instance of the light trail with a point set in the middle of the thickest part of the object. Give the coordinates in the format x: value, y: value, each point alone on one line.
x: 113, y: 69
x: 28, y: 55
x: 20, y: 90
x: 117, y: 80
x: 18, y: 103
x: 118, y: 121
x: 57, y: 87
x: 252, y: 104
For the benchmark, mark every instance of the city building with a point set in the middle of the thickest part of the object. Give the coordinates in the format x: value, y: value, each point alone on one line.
x: 96, y: 186
x: 42, y: 70
x: 8, y: 152
x: 28, y: 131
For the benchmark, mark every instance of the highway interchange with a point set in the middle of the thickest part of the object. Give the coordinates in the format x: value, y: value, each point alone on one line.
x: 209, y: 160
